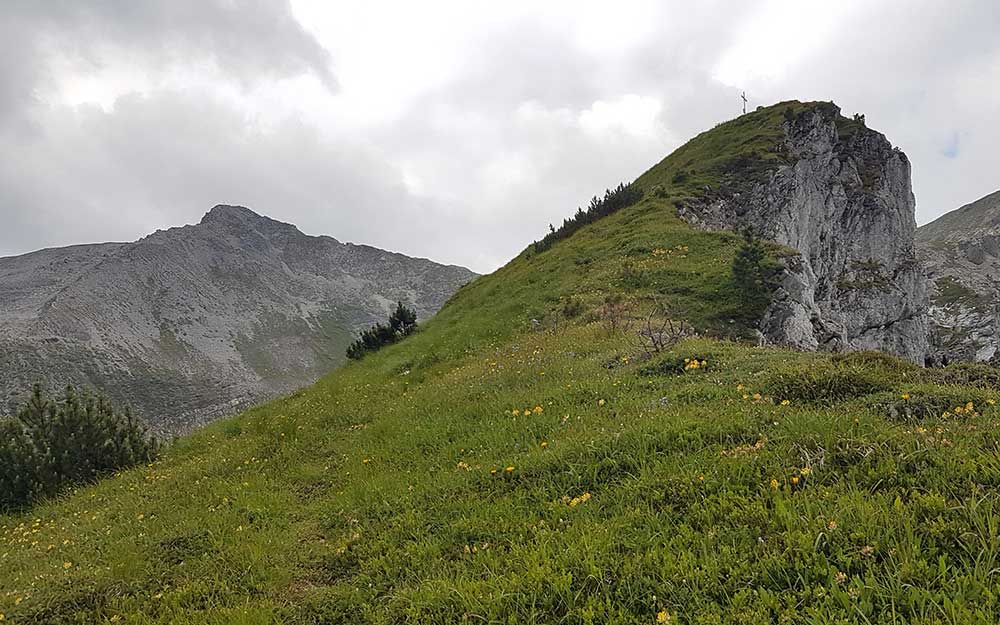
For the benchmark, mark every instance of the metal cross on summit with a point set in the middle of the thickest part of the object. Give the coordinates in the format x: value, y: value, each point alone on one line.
x: 744, y: 96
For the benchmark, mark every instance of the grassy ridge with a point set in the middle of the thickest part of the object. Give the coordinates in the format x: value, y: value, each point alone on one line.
x: 493, y: 469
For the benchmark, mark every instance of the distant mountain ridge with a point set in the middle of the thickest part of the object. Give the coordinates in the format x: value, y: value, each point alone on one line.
x: 198, y: 321
x: 961, y: 255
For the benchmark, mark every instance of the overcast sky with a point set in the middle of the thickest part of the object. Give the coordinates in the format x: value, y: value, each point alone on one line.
x: 455, y: 130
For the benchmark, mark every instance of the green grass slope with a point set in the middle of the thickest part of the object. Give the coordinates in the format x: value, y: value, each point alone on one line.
x: 508, y: 464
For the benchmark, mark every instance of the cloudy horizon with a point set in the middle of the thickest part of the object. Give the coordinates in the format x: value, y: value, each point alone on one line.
x: 455, y: 131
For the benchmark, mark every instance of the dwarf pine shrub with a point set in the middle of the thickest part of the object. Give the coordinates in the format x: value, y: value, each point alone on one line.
x: 402, y: 323
x: 622, y: 196
x: 50, y: 444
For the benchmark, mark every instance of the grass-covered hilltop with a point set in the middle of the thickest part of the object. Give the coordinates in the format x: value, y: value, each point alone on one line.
x: 588, y: 435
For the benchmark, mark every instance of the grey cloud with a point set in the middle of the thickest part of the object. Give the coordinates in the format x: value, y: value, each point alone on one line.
x: 249, y: 40
x: 165, y: 159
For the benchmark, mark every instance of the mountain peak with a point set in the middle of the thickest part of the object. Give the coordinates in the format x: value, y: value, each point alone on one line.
x: 228, y: 213
x: 233, y: 217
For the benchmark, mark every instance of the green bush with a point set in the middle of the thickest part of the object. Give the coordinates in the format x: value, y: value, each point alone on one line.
x: 51, y: 444
x: 978, y: 374
x: 402, y: 323
x: 929, y: 404
x: 755, y: 276
x: 674, y: 364
x: 824, y: 384
x: 875, y: 360
x: 573, y: 307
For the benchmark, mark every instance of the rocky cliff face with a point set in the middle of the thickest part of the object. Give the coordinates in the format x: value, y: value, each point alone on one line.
x: 840, y: 197
x: 192, y: 323
x: 961, y: 254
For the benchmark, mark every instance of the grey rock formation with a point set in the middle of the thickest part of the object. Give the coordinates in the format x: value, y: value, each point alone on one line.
x: 841, y: 199
x: 961, y: 255
x: 196, y: 322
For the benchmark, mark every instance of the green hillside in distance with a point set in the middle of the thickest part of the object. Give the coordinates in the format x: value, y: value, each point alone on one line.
x: 521, y: 459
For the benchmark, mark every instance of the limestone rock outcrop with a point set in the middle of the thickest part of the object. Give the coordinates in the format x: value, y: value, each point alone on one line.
x: 840, y: 199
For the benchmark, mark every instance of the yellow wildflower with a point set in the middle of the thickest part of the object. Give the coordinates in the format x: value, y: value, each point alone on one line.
x: 905, y: 396
x: 785, y: 402
x: 991, y: 402
x: 575, y: 501
x: 756, y: 396
x: 600, y: 402
x: 544, y: 444
x: 538, y: 410
x: 515, y: 412
x: 805, y: 470
x: 663, y: 616
x: 509, y: 469
x: 774, y: 484
x: 795, y: 480
x: 67, y: 565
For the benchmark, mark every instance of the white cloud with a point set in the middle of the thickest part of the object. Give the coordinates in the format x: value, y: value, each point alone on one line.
x: 631, y: 114
x: 779, y: 37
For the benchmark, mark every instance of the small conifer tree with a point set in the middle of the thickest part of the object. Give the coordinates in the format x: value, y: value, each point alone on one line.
x: 51, y: 444
x: 754, y: 276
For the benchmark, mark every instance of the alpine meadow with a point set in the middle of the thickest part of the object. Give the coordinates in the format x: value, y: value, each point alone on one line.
x: 606, y: 430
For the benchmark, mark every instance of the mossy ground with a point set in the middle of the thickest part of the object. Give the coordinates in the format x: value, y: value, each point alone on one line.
x: 490, y: 469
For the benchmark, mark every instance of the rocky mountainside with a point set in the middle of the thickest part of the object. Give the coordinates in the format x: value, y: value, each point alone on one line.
x: 196, y: 322
x: 961, y: 254
x: 839, y: 195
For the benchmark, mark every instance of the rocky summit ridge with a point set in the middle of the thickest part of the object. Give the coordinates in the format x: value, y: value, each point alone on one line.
x: 198, y: 321
x: 838, y: 195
